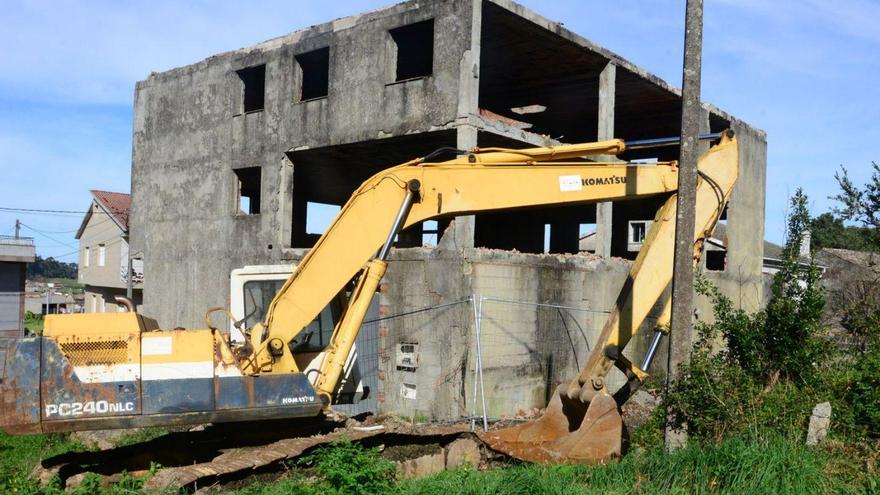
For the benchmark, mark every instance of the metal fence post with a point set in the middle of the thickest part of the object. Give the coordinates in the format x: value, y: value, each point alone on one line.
x: 480, y: 362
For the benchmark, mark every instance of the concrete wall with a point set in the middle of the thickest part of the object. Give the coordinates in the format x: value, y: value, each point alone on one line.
x: 742, y: 279
x: 527, y: 349
x: 189, y: 135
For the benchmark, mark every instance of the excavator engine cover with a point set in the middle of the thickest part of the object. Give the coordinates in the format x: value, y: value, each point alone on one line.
x: 114, y: 370
x: 569, y: 432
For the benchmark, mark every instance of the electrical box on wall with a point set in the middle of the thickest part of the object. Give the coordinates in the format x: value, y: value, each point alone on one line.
x: 408, y: 391
x: 407, y: 356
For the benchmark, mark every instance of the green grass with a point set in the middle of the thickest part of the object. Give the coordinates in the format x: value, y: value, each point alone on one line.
x: 140, y: 436
x: 69, y: 284
x: 20, y: 454
x: 734, y: 466
x: 778, y: 466
x: 34, y: 325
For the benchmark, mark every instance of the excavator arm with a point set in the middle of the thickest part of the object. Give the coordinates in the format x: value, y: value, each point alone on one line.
x: 476, y: 182
x: 489, y: 180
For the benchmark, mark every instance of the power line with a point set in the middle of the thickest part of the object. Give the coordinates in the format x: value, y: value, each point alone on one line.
x: 46, y: 235
x: 54, y: 213
x: 105, y: 242
x: 34, y: 210
x: 44, y: 232
x: 61, y: 232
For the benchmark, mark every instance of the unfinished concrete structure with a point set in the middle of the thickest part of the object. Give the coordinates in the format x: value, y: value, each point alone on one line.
x: 230, y: 155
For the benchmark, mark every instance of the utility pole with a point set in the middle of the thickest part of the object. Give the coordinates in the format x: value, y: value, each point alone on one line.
x: 681, y: 323
x: 17, y: 228
x: 129, y: 287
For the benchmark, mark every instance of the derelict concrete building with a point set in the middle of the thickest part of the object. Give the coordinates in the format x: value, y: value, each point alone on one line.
x: 230, y: 154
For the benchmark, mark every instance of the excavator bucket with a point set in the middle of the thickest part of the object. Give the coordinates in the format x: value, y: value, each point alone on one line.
x: 568, y: 433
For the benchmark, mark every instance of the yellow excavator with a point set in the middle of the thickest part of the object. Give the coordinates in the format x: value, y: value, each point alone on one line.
x: 119, y: 370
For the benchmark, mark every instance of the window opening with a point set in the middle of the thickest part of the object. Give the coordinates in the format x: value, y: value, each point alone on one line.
x: 546, y: 238
x: 86, y: 256
x: 587, y: 237
x: 716, y: 260
x: 414, y: 46
x: 636, y: 233
x: 102, y: 254
x: 315, y: 67
x: 430, y: 233
x: 249, y: 187
x: 253, y: 80
x: 319, y: 216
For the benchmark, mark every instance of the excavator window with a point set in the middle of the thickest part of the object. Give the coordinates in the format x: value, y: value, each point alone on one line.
x: 258, y: 295
x: 316, y: 336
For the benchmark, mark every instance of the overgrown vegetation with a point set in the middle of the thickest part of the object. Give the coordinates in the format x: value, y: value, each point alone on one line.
x: 758, y: 376
x: 830, y: 231
x: 732, y: 466
x: 346, y: 468
x: 855, y: 224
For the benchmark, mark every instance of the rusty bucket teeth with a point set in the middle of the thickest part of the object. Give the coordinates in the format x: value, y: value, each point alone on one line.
x: 565, y: 434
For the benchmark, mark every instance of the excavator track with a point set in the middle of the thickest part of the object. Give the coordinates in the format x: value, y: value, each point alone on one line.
x: 219, y: 454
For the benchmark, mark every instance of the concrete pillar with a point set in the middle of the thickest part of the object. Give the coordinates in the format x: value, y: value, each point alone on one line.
x: 745, y: 220
x: 284, y: 214
x: 469, y: 66
x: 298, y: 220
x: 705, y: 128
x: 607, y: 81
x: 460, y: 233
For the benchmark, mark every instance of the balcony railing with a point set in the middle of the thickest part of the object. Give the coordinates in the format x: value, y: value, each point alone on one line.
x: 8, y: 240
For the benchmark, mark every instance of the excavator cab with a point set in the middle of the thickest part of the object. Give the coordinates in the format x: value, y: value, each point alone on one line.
x: 252, y: 290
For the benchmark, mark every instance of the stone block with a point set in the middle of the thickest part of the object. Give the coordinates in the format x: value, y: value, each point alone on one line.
x: 819, y: 422
x: 421, y: 466
x: 462, y: 452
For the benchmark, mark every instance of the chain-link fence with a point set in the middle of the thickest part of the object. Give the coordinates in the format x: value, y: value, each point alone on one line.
x: 525, y: 349
x: 477, y: 357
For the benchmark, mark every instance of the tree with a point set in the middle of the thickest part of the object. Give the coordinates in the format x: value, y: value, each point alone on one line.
x: 51, y: 268
x: 829, y: 231
x: 860, y: 205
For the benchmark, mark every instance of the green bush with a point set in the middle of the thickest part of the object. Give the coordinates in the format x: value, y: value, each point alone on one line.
x: 764, y: 379
x: 347, y: 468
x: 783, y: 339
x: 863, y: 395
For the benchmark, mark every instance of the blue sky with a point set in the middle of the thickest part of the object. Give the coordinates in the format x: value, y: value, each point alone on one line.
x: 805, y: 71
